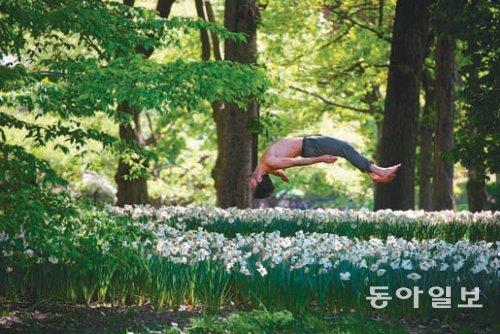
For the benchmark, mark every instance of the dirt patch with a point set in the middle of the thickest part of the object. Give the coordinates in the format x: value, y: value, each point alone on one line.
x: 71, y: 318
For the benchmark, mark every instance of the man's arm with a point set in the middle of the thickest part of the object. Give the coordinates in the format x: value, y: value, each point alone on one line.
x: 282, y: 163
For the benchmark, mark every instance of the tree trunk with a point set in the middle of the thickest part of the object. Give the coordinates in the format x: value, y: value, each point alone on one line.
x: 236, y: 143
x: 476, y: 189
x: 135, y: 191
x: 476, y: 185
x: 400, y: 126
x: 442, y: 189
x: 130, y: 191
x: 426, y: 131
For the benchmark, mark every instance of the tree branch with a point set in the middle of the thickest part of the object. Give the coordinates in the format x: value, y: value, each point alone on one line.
x: 154, y: 138
x: 333, y: 41
x: 361, y: 25
x: 330, y: 102
x: 215, y: 38
x: 205, y: 40
x: 93, y: 46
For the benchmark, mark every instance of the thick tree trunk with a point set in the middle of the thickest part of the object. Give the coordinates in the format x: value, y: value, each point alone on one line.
x: 236, y: 143
x: 426, y: 131
x: 476, y: 185
x: 476, y: 189
x: 442, y: 189
x: 130, y: 191
x: 399, y: 130
x: 163, y: 7
x: 135, y: 191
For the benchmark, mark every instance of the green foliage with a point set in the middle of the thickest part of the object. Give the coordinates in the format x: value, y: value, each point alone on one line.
x: 77, y: 59
x: 475, y: 24
x: 338, y: 58
x: 494, y: 196
x: 24, y: 194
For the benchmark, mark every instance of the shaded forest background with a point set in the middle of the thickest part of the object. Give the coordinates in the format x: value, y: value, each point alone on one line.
x: 126, y: 103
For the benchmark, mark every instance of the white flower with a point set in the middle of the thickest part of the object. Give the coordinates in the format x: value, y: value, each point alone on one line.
x: 395, y: 264
x: 424, y: 266
x: 262, y: 271
x: 6, y: 254
x: 362, y: 264
x: 8, y: 269
x: 406, y: 265
x: 414, y: 276
x: 443, y: 266
x: 458, y: 265
x: 53, y: 259
x: 478, y: 268
x: 345, y: 276
x: 325, y: 263
x: 380, y: 272
x: 29, y: 252
x: 245, y: 271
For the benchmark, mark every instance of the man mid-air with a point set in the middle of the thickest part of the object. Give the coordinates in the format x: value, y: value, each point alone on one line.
x: 309, y: 150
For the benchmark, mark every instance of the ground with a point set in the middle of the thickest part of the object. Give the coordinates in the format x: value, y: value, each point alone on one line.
x: 51, y: 317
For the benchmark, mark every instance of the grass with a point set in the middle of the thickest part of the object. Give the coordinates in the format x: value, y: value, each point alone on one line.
x: 285, y: 322
x: 72, y: 318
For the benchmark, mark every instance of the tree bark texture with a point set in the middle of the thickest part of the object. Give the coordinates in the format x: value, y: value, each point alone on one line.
x: 130, y: 191
x: 135, y: 191
x: 476, y: 184
x: 426, y: 146
x: 476, y: 189
x: 400, y: 126
x: 442, y: 188
x: 236, y: 143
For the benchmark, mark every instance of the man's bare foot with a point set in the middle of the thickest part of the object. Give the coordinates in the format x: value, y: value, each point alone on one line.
x: 384, y: 172
x: 386, y: 179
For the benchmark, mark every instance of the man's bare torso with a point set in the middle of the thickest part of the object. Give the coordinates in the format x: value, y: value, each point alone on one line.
x: 284, y: 148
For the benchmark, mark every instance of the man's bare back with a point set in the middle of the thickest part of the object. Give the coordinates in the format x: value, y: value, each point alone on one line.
x: 288, y: 152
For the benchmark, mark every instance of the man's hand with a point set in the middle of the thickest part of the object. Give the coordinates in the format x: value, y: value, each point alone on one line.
x: 252, y: 183
x: 329, y: 159
x: 280, y: 173
x: 255, y: 178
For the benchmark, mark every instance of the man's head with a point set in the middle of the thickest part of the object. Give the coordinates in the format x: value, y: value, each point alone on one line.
x: 265, y: 187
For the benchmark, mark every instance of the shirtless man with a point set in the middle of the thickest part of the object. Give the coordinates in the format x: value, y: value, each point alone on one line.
x: 309, y: 150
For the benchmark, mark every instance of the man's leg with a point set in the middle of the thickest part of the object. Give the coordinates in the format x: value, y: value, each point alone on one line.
x: 321, y: 145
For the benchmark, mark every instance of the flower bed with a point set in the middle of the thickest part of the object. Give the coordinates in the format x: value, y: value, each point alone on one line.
x: 445, y: 225
x: 102, y: 257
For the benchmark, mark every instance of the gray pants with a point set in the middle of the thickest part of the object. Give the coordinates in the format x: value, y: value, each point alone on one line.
x: 317, y: 145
